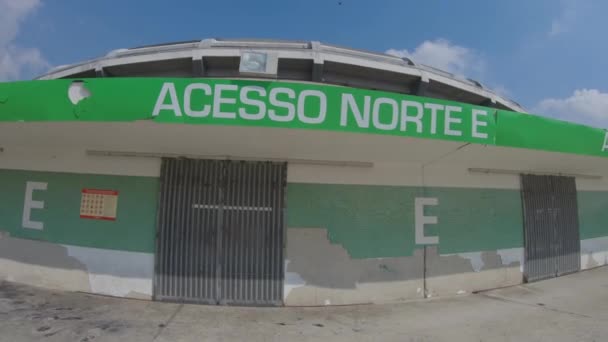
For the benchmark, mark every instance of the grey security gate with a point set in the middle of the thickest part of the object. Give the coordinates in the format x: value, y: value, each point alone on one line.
x: 220, y: 232
x: 551, y: 232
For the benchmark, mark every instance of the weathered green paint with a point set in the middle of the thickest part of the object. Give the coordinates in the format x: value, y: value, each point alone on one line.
x: 129, y: 99
x: 539, y: 133
x: 472, y: 220
x: 593, y: 214
x: 134, y: 229
x: 378, y: 221
x: 368, y: 221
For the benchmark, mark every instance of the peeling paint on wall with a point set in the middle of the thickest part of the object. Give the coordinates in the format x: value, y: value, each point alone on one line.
x: 292, y: 281
x: 456, y: 274
x: 116, y: 273
x: 474, y: 257
x: 72, y: 268
x: 512, y: 255
x: 40, y: 263
x: 486, y: 259
x: 318, y: 272
x: 594, y: 252
x: 330, y: 265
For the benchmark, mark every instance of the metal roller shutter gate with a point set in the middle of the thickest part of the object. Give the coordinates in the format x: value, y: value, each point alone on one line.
x: 220, y: 232
x: 551, y: 229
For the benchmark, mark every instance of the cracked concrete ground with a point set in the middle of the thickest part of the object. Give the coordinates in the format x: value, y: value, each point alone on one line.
x: 570, y: 308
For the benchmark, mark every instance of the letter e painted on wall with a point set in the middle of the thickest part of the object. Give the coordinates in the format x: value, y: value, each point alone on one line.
x: 30, y: 204
x: 421, y: 220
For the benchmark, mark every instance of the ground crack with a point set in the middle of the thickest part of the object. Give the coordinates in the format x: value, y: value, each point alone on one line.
x: 543, y: 306
x: 164, y: 325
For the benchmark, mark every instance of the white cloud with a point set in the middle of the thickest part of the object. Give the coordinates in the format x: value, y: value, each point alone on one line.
x: 15, y: 60
x: 501, y: 90
x: 459, y: 60
x: 442, y: 54
x: 567, y: 18
x: 588, y: 106
x: 557, y: 27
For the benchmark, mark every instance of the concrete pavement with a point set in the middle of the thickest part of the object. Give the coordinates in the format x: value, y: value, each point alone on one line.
x: 570, y: 308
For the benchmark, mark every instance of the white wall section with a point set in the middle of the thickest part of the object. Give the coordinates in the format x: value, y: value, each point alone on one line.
x: 75, y: 160
x: 116, y: 273
x: 594, y: 252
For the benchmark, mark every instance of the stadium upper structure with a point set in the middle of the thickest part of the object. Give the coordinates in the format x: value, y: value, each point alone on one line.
x: 296, y: 61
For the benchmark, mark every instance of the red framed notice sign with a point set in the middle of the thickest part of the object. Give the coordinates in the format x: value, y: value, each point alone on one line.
x: 98, y: 204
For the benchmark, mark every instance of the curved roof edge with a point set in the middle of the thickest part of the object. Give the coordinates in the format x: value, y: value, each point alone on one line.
x: 301, y: 60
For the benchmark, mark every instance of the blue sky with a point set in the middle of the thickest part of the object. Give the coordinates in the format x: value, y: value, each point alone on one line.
x: 549, y: 55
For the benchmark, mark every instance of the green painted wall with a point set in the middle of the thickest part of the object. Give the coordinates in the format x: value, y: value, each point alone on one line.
x: 134, y: 229
x: 378, y: 221
x: 473, y: 220
x: 368, y: 221
x: 593, y: 214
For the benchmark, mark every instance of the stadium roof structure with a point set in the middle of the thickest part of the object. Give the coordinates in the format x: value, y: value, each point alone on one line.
x: 297, y: 61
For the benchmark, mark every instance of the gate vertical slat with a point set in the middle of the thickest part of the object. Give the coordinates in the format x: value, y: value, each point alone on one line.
x: 191, y: 248
x: 248, y: 229
x: 275, y: 233
x: 171, y: 232
x: 241, y: 184
x: 183, y: 279
x: 272, y: 229
x: 237, y: 238
x: 212, y: 228
x: 183, y: 213
x: 240, y: 252
x: 174, y: 268
x: 178, y: 233
x: 280, y: 223
x: 195, y: 266
x: 227, y: 264
x: 230, y: 265
x: 254, y: 278
x: 259, y: 197
x: 206, y: 194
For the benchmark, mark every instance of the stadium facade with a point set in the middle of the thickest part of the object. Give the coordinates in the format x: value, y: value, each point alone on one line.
x: 256, y: 172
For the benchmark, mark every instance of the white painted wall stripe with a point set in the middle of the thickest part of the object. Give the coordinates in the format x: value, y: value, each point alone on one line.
x: 75, y: 160
x: 402, y: 174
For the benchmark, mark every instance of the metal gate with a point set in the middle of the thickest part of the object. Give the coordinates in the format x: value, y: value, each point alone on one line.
x: 220, y: 232
x: 551, y: 232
